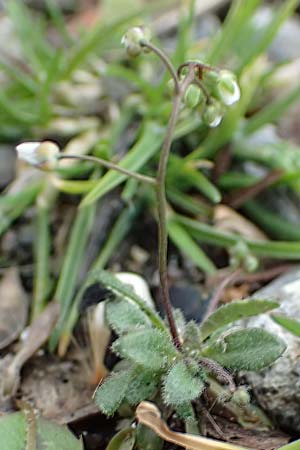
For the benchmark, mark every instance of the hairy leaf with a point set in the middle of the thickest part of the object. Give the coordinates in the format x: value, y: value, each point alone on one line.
x: 249, y: 349
x: 234, y: 311
x: 149, y: 348
x: 142, y: 384
x: 123, y: 316
x: 111, y: 393
x: 180, y: 386
x: 292, y: 325
x: 127, y: 293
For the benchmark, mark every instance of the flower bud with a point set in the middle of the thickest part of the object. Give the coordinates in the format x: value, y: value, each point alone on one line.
x: 171, y: 87
x: 213, y: 114
x: 228, y: 90
x: 241, y: 396
x: 133, y: 38
x: 250, y: 263
x: 42, y: 154
x: 193, y: 96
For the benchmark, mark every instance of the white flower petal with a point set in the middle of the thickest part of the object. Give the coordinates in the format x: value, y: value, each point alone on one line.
x: 217, y: 120
x: 27, y: 151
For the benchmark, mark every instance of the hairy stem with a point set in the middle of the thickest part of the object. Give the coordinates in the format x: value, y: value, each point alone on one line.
x: 162, y: 208
x: 109, y: 165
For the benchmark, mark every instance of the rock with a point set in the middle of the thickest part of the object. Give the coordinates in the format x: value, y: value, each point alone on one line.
x: 277, y: 388
x: 7, y: 165
x: 285, y: 44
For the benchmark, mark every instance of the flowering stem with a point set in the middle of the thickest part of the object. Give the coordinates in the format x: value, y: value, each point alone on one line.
x: 109, y: 165
x: 165, y: 60
x: 162, y: 207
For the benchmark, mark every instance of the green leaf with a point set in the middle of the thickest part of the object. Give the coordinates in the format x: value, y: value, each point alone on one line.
x: 149, y: 348
x: 47, y: 435
x: 180, y: 386
x: 250, y: 52
x: 142, y: 384
x: 13, y: 431
x: 239, y: 14
x: 141, y: 152
x: 72, y: 261
x: 127, y: 293
x: 292, y: 446
x: 249, y: 349
x: 111, y: 393
x: 234, y: 311
x: 190, y: 248
x: 51, y: 436
x: 146, y: 439
x: 123, y: 440
x: 289, y: 324
x: 124, y: 317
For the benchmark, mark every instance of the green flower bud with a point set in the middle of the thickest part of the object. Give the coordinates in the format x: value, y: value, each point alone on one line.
x: 213, y: 114
x: 193, y: 96
x: 241, y: 396
x: 210, y: 78
x: 250, y: 263
x: 41, y: 154
x: 133, y: 38
x: 228, y: 90
x: 171, y: 87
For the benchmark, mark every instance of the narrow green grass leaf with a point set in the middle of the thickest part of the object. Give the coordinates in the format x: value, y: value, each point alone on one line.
x: 239, y: 14
x: 148, y: 144
x: 292, y: 325
x: 189, y: 248
x: 271, y: 112
x: 210, y: 235
x: 41, y: 284
x: 259, y: 46
x: 70, y: 269
x: 277, y: 227
x: 232, y: 312
x: 249, y: 349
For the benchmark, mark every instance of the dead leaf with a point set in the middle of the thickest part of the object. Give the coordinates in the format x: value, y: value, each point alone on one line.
x: 228, y: 220
x: 37, y: 335
x: 13, y: 307
x: 148, y: 414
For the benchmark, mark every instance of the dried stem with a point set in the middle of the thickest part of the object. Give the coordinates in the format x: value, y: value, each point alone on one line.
x: 109, y: 165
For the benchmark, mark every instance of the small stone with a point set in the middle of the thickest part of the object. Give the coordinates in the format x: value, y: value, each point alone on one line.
x: 277, y: 388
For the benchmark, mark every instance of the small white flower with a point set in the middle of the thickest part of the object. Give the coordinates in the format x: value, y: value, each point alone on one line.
x: 27, y: 152
x: 228, y: 88
x: 213, y: 114
x: 42, y: 154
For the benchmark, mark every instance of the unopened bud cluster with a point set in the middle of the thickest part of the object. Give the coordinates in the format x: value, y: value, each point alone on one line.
x: 220, y: 90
